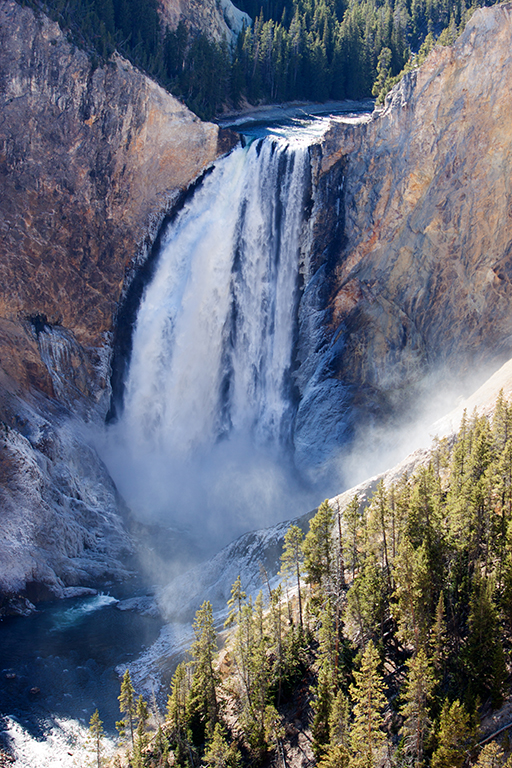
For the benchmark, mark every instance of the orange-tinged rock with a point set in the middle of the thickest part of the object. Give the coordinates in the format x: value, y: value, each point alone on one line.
x: 90, y: 161
x: 426, y: 220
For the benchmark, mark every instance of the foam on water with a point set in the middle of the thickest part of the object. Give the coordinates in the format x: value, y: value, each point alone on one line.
x: 72, y: 616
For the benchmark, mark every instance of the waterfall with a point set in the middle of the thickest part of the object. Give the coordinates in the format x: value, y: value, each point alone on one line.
x: 206, y: 431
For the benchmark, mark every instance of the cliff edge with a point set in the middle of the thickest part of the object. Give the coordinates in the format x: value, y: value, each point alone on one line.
x: 411, y: 266
x: 91, y: 159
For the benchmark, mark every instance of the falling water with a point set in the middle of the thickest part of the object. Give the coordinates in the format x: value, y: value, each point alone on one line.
x: 206, y: 430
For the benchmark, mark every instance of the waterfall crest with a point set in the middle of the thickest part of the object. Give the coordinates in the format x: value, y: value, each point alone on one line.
x: 208, y: 412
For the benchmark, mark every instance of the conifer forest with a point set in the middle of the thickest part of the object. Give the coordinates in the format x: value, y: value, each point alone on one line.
x: 388, y: 636
x: 295, y: 49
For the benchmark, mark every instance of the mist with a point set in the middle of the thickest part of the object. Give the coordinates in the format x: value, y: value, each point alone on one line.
x: 211, y: 496
x: 433, y: 407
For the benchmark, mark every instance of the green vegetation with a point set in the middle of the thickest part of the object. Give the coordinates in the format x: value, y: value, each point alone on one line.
x: 295, y: 49
x: 96, y: 735
x: 402, y: 650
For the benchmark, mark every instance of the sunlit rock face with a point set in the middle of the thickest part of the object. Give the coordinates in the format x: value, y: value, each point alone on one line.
x: 91, y: 159
x: 412, y: 264
x: 218, y: 19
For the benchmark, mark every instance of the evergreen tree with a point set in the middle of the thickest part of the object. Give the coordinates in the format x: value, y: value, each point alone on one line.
x: 292, y: 559
x: 317, y: 547
x: 235, y: 602
x: 219, y: 753
x: 336, y: 753
x: 367, y: 739
x: 202, y: 706
x: 96, y: 732
x: 366, y: 602
x: 161, y: 750
x: 415, y: 709
x: 322, y: 706
x: 484, y: 658
x: 127, y: 707
x: 141, y: 740
x: 491, y: 756
x: 177, y: 716
x: 454, y: 737
x: 352, y: 517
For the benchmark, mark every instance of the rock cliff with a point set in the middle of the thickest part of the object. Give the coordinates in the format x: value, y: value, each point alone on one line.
x: 91, y: 159
x: 411, y: 266
x: 219, y: 20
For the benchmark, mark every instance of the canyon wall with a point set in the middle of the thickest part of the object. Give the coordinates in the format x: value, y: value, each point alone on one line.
x: 218, y: 19
x: 411, y: 265
x: 407, y: 264
x: 91, y: 159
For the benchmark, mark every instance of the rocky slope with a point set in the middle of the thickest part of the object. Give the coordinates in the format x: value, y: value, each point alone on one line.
x: 410, y: 270
x: 91, y: 159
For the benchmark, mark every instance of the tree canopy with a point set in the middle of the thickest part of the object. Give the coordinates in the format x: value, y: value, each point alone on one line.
x: 294, y: 49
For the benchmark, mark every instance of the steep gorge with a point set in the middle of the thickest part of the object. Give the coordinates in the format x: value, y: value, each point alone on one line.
x: 406, y: 264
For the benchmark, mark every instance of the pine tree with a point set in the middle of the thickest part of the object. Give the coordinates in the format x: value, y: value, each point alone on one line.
x: 292, y: 559
x: 322, y: 706
x: 352, y: 517
x: 366, y: 601
x: 235, y: 602
x: 202, y: 710
x: 412, y: 593
x: 339, y: 721
x: 127, y: 706
x: 219, y: 753
x: 454, y: 736
x: 317, y: 547
x: 438, y: 638
x: 96, y: 732
x: 141, y: 740
x: 177, y: 703
x: 415, y: 709
x: 367, y: 739
x: 161, y: 750
x: 259, y: 673
x: 336, y: 754
x: 484, y: 659
x: 491, y: 756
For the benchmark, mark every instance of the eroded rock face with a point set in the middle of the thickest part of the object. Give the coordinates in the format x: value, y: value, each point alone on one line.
x: 218, y: 19
x: 91, y: 159
x: 417, y: 276
x: 61, y: 521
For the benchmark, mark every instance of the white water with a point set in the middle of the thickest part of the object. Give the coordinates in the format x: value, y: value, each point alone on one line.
x: 67, y: 744
x: 204, y: 439
x: 72, y: 616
